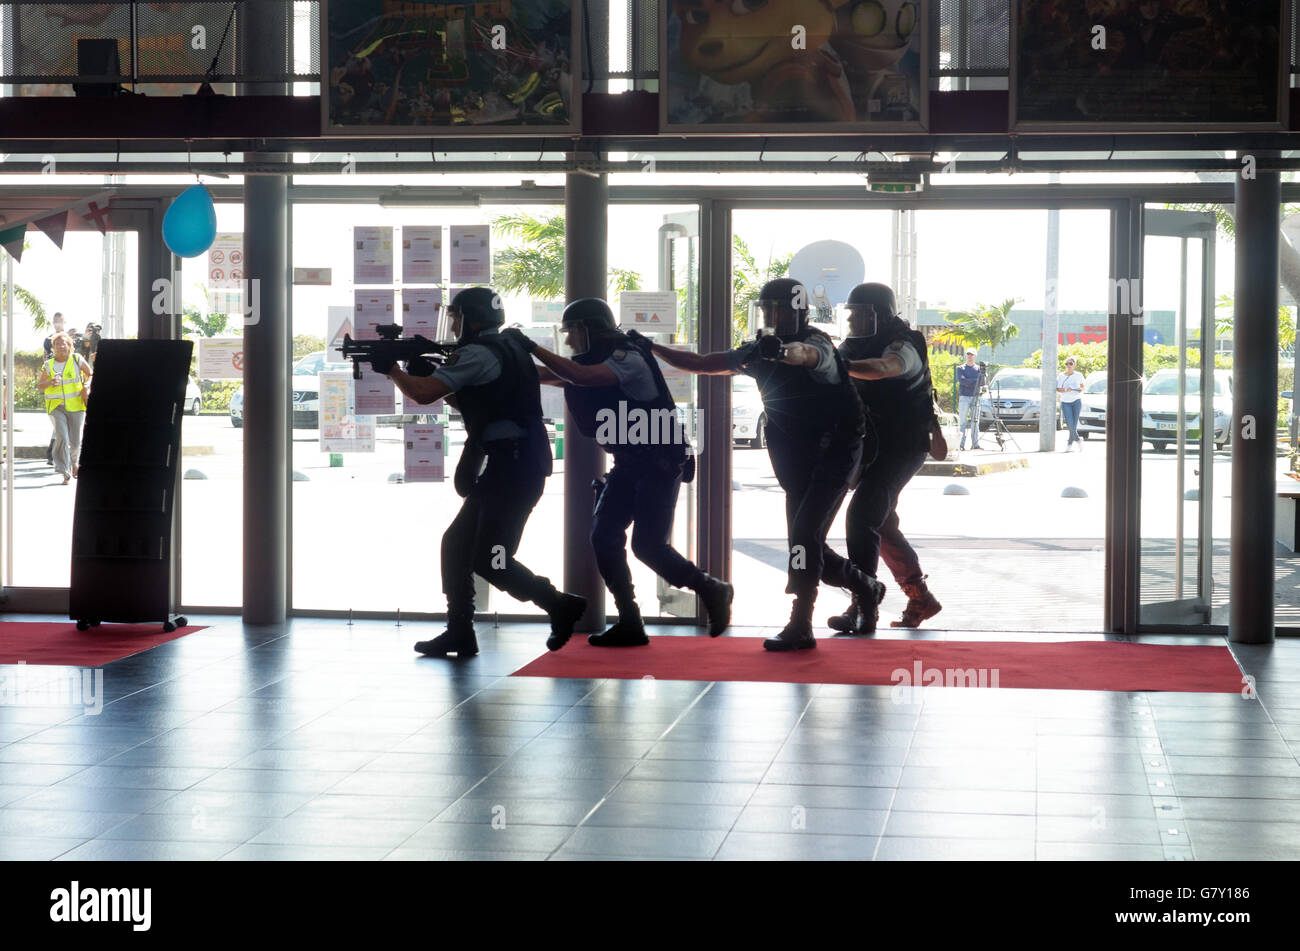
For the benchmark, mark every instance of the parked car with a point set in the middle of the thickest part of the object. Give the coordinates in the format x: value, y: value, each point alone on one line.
x: 1160, y: 408
x: 237, y: 408
x: 1016, y: 393
x: 748, y: 421
x: 193, y: 398
x: 306, y: 394
x: 1092, y: 415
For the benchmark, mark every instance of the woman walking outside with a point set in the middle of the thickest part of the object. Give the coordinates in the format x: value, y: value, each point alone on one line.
x: 1070, y: 386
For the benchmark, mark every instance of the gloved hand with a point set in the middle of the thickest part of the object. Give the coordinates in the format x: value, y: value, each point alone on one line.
x: 525, y: 341
x: 748, y: 353
x: 382, y: 365
x: 419, y: 366
x: 769, y: 347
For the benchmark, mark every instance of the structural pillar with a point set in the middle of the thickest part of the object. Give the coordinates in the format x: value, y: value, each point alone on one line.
x: 586, y: 233
x: 266, y: 395
x: 1254, y: 404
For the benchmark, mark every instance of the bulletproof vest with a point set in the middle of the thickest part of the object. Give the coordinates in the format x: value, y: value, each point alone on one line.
x: 586, y: 402
x: 798, y: 406
x: 899, y: 410
x: 514, y: 395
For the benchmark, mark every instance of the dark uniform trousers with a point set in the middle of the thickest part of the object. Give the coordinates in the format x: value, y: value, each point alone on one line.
x: 815, y: 475
x: 872, y: 518
x: 640, y: 490
x: 483, y: 537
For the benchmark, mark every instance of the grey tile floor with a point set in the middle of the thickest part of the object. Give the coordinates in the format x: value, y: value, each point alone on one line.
x: 324, y: 741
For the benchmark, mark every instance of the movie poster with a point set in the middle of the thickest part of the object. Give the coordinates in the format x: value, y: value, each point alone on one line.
x: 792, y: 65
x: 422, y: 65
x: 1149, y: 64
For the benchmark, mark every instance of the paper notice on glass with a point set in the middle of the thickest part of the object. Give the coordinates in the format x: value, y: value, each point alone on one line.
x: 420, y: 310
x: 651, y: 312
x: 221, y: 358
x: 679, y: 381
x: 373, y: 394
x: 422, y: 254
x: 338, y: 321
x: 553, y: 403
x: 471, y: 254
x: 425, y: 452
x: 340, y: 429
x: 372, y: 309
x: 372, y: 255
x: 226, y: 261
x: 547, y: 311
x: 411, y: 408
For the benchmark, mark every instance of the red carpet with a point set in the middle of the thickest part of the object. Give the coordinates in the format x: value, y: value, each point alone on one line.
x: 1075, y: 665
x: 61, y: 644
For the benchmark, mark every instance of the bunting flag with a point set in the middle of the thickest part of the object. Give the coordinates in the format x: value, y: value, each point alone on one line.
x: 54, y: 226
x: 12, y: 241
x: 94, y: 212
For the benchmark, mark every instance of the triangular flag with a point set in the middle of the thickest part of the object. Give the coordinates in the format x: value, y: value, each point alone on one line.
x: 12, y: 241
x: 54, y: 226
x: 94, y: 212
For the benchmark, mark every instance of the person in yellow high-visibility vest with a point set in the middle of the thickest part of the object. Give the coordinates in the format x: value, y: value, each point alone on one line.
x: 63, y: 380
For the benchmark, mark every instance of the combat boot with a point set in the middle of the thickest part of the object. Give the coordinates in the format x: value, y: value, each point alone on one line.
x: 564, y: 613
x: 921, y: 604
x: 867, y: 594
x: 846, y: 623
x: 628, y: 631
x: 458, y: 639
x: 716, y: 596
x: 798, y: 634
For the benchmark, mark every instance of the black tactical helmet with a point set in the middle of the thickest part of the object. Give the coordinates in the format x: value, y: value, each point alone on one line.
x: 784, y: 298
x: 480, y: 308
x: 592, y: 313
x: 879, y: 296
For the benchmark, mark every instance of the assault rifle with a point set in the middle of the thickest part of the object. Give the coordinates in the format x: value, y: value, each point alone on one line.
x: 422, y: 355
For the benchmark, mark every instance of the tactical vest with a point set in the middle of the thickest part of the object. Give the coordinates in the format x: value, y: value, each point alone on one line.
x: 69, y: 392
x: 514, y: 395
x: 797, y: 406
x: 662, y: 433
x: 900, y: 411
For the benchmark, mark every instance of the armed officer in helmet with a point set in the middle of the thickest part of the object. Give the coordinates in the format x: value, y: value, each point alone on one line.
x: 814, y: 438
x: 492, y: 380
x: 890, y: 366
x: 617, y: 395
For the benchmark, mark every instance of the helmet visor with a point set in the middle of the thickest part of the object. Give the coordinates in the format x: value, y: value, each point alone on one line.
x: 450, y: 325
x: 575, y: 339
x: 859, y: 320
x: 776, y: 316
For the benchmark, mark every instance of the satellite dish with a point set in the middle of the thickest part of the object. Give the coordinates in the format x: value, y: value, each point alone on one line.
x: 829, y: 269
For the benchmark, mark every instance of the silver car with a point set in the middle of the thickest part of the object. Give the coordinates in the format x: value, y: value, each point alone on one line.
x: 748, y: 420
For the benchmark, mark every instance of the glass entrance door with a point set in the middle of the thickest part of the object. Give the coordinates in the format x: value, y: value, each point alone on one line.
x: 1185, y: 413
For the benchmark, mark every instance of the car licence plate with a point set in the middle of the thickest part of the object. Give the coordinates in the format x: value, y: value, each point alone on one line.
x: 1010, y: 412
x: 1170, y: 426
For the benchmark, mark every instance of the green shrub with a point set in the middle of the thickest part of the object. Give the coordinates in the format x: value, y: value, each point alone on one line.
x: 217, y: 394
x: 27, y: 396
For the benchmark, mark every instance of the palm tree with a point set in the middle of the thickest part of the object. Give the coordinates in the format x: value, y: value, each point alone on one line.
x: 537, y: 268
x: 986, y: 325
x: 747, y: 279
x: 1225, y: 314
x: 27, y: 301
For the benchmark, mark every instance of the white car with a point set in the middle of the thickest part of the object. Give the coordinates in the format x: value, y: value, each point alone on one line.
x: 1015, y: 392
x: 1092, y: 415
x: 748, y: 420
x: 193, y: 398
x: 306, y: 394
x: 1160, y: 408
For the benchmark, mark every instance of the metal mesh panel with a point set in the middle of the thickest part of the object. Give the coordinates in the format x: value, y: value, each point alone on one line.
x: 970, y: 37
x: 39, y: 47
x: 645, y: 39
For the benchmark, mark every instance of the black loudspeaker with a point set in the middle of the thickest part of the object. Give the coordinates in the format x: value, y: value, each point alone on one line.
x: 123, y: 527
x: 98, y: 57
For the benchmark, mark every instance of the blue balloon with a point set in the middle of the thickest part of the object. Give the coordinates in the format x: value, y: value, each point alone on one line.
x: 190, y: 225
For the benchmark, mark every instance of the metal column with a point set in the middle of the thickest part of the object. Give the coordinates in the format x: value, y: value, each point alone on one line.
x: 266, y: 397
x: 713, y: 485
x: 1123, y: 428
x: 586, y: 236
x: 1254, y: 378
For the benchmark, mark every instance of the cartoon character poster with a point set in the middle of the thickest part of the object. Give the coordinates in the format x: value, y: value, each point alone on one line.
x: 425, y: 65
x: 1149, y: 64
x: 794, y: 64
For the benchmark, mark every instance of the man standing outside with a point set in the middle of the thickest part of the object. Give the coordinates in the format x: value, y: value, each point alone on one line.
x: 492, y: 380
x: 815, y: 428
x: 968, y: 399
x: 48, y: 343
x: 1070, y: 385
x: 612, y: 376
x: 63, y: 380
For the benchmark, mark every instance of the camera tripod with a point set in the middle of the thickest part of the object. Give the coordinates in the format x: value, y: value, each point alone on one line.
x: 1000, y: 431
